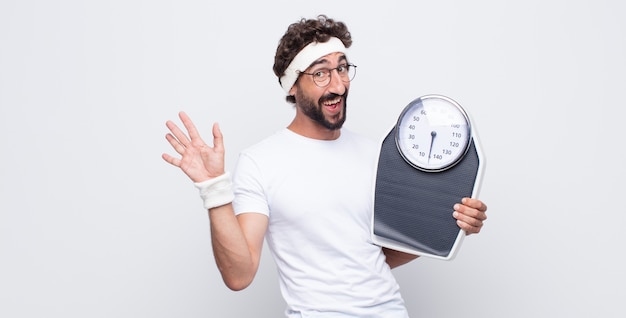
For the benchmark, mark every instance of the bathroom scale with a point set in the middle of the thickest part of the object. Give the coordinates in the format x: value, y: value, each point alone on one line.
x: 429, y: 160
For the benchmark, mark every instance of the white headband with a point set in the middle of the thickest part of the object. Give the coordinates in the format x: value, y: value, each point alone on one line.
x: 306, y: 57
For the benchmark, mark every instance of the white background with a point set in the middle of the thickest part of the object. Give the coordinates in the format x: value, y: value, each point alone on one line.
x: 93, y: 223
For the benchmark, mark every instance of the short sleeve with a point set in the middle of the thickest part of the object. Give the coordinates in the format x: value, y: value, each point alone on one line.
x: 248, y: 187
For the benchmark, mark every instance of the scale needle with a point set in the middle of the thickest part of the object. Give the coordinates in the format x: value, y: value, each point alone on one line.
x: 433, y: 134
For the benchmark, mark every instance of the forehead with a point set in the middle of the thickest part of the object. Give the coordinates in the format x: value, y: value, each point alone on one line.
x: 330, y: 59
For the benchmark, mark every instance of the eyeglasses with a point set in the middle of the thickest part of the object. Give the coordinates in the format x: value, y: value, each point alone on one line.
x: 322, y: 76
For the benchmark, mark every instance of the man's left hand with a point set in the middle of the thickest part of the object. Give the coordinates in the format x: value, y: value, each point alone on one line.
x: 470, y: 215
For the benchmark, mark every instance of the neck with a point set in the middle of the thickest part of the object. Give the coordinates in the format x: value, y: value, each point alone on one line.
x: 313, y: 130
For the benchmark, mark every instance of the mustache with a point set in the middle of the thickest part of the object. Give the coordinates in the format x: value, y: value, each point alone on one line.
x: 331, y: 96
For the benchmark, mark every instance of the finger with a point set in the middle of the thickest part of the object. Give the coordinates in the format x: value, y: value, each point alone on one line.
x: 474, y: 203
x: 471, y: 219
x: 470, y: 212
x: 191, y: 128
x: 468, y: 228
x: 179, y: 134
x: 171, y: 160
x: 218, y: 138
x: 175, y: 143
x: 468, y: 223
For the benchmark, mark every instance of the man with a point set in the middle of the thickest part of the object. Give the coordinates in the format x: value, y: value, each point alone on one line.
x: 307, y: 189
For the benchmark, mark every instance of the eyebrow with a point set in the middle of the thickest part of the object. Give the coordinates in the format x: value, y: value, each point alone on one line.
x: 342, y: 58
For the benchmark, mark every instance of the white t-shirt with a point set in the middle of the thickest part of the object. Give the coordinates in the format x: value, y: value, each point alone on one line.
x: 318, y: 196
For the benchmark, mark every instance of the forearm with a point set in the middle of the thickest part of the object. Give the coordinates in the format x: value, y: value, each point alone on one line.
x: 236, y: 247
x: 234, y: 257
x: 396, y: 258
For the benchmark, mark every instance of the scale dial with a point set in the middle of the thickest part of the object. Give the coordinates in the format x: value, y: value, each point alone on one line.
x: 433, y: 133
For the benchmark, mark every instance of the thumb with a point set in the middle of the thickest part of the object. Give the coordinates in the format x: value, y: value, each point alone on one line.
x: 218, y: 138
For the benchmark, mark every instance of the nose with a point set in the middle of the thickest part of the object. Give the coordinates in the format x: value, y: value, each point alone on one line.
x: 336, y: 85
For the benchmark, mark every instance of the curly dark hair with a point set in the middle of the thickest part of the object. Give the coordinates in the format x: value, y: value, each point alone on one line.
x: 303, y: 32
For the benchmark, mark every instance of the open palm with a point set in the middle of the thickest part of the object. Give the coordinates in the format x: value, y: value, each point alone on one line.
x: 198, y: 161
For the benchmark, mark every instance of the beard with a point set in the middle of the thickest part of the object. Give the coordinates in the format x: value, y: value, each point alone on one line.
x: 314, y: 111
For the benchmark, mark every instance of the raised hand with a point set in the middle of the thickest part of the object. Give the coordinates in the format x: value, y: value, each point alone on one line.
x: 198, y: 161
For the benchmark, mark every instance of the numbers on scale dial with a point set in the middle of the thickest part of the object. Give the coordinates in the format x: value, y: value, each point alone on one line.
x: 433, y: 134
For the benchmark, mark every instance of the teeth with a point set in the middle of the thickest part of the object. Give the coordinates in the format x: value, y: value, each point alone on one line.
x: 331, y: 102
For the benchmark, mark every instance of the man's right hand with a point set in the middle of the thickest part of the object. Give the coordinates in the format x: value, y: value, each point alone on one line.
x: 198, y: 161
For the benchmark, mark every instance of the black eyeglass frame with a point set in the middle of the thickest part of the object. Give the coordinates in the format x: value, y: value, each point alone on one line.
x: 330, y: 74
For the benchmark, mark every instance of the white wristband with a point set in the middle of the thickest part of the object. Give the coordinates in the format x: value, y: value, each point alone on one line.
x: 217, y: 191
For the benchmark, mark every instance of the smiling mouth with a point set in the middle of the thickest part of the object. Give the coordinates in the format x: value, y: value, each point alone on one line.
x: 332, y: 103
